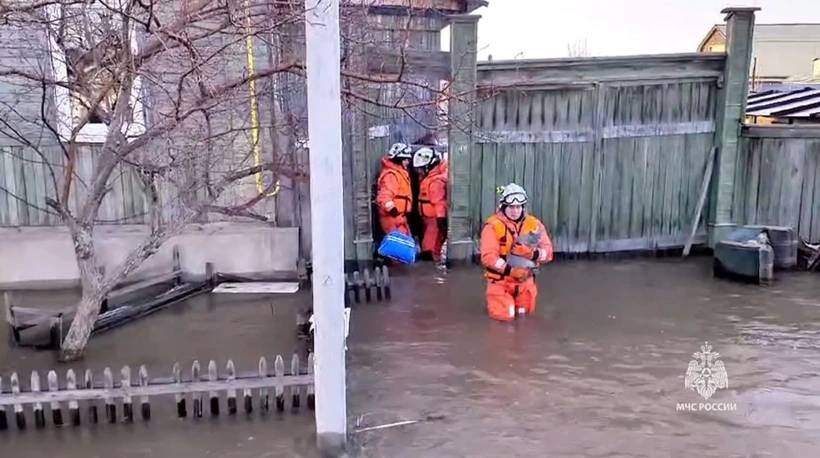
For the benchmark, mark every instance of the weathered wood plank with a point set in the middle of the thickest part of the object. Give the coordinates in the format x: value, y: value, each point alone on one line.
x: 752, y: 188
x: 83, y: 173
x: 668, y: 151
x: 21, y: 186
x: 39, y: 166
x: 791, y: 132
x: 636, y: 198
x: 387, y: 61
x: 131, y: 195
x: 505, y: 171
x: 704, y: 189
x: 814, y: 232
x: 628, y: 171
x: 552, y: 168
x: 607, y: 189
x: 519, y: 163
x: 349, y: 129
x: 115, y: 204
x: 488, y: 180
x: 653, y: 243
x: 793, y: 175
x: 5, y: 217
x: 476, y: 158
x: 679, y: 173
x: 610, y: 132
x: 578, y: 224
x: 650, y: 196
x: 517, y: 73
x: 596, y: 159
x: 539, y: 182
x: 528, y: 180
x: 500, y: 108
x: 519, y: 136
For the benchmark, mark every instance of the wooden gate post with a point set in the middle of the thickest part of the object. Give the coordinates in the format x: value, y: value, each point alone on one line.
x: 461, y: 117
x: 327, y: 219
x: 731, y: 110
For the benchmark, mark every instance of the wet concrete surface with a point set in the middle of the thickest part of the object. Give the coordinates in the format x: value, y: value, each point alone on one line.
x: 596, y: 372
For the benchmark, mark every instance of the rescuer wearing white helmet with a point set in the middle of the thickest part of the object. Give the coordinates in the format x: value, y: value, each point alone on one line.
x: 513, y: 243
x: 394, y: 194
x: 432, y: 170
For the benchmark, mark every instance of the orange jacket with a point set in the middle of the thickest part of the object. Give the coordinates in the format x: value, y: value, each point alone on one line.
x: 394, y: 188
x: 433, y: 193
x: 497, y: 239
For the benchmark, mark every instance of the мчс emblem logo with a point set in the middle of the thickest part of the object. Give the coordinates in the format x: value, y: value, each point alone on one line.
x: 706, y: 372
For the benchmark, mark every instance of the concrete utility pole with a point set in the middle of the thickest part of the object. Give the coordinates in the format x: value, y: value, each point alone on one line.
x: 327, y: 220
x: 731, y: 110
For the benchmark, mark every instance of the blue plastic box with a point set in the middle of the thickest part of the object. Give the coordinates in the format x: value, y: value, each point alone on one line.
x: 399, y: 247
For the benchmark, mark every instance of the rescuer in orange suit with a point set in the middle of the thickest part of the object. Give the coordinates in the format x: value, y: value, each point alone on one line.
x: 513, y: 243
x: 432, y: 201
x: 394, y: 194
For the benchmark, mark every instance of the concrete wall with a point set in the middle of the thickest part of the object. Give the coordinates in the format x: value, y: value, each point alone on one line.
x: 33, y: 257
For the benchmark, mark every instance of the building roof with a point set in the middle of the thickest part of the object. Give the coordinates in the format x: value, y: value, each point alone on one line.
x: 798, y: 103
x: 783, y: 51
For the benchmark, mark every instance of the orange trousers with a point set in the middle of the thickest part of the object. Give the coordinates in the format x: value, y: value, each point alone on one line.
x: 508, y: 298
x: 433, y: 238
x: 394, y: 223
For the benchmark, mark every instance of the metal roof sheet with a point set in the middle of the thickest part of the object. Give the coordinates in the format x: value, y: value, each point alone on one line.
x: 796, y: 100
x: 786, y: 110
x: 807, y: 113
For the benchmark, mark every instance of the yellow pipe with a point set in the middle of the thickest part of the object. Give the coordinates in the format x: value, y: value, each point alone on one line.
x: 257, y: 150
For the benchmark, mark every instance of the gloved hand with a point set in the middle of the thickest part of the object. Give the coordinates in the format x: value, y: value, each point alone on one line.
x: 394, y: 212
x: 442, y: 224
x: 525, y: 252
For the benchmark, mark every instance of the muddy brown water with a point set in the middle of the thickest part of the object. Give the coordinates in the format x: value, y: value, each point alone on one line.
x: 597, y: 372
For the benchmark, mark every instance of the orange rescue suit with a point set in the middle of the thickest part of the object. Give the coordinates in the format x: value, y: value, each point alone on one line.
x: 394, y: 195
x: 507, y: 295
x: 433, y: 209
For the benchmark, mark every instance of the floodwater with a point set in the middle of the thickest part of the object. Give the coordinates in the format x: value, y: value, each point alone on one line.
x: 218, y: 327
x: 598, y: 371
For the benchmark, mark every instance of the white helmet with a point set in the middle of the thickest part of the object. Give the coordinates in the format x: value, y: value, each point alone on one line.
x: 512, y: 194
x: 401, y: 151
x: 423, y: 157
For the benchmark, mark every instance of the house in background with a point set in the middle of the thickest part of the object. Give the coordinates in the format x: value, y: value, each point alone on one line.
x: 781, y: 53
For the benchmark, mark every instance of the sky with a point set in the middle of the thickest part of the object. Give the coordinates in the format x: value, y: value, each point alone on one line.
x: 532, y: 29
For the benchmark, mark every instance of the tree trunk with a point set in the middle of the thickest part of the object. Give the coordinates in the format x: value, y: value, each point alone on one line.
x: 73, y: 346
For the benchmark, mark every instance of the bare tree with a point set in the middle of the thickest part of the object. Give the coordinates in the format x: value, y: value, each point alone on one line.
x: 578, y: 49
x: 162, y: 90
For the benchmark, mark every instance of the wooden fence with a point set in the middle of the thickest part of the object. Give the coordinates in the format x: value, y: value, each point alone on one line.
x: 611, y: 151
x: 370, y: 283
x: 127, y: 390
x: 26, y: 180
x: 778, y: 179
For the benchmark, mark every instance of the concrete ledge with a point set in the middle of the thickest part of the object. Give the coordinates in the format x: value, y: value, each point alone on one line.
x: 43, y: 257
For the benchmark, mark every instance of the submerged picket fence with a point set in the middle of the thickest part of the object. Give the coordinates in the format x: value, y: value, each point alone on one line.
x: 370, y: 283
x: 127, y: 391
